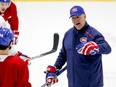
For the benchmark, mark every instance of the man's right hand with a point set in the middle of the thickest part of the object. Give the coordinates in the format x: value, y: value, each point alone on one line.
x: 51, y: 77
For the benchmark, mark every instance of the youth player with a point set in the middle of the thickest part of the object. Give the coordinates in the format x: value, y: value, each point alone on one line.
x: 12, y: 50
x: 8, y: 11
x: 13, y: 70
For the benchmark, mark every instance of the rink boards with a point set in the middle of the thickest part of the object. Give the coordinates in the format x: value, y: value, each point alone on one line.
x: 65, y: 0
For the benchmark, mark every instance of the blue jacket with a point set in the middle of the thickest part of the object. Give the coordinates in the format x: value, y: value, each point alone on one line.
x: 82, y: 71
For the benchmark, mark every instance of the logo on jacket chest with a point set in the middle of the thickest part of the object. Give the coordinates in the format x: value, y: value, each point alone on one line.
x: 83, y: 39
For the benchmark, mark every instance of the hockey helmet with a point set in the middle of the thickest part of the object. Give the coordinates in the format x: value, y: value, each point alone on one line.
x: 6, y: 36
x: 5, y: 1
x: 2, y: 22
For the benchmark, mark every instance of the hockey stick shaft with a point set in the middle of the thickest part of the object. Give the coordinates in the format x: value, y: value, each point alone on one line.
x: 54, y: 49
x: 60, y: 72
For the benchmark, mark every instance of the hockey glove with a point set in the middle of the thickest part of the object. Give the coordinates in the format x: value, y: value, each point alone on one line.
x: 51, y: 77
x: 16, y: 34
x: 88, y: 48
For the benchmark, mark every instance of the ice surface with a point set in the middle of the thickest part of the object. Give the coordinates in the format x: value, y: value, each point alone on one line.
x: 40, y: 20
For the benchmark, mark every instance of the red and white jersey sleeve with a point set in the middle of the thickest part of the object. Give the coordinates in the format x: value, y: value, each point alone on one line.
x: 14, y: 72
x: 10, y: 15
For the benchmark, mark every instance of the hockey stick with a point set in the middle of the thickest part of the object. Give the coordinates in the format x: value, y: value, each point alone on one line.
x: 54, y: 49
x: 60, y: 72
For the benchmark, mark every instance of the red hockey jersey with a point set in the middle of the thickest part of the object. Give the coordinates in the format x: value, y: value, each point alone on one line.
x: 10, y: 15
x: 13, y: 72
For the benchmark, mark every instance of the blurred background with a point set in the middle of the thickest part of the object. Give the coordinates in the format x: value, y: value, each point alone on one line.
x: 40, y: 19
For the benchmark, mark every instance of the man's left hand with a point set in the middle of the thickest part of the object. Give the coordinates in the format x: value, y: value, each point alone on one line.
x: 88, y: 48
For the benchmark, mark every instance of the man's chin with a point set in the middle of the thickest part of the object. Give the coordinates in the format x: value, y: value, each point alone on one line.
x: 2, y: 11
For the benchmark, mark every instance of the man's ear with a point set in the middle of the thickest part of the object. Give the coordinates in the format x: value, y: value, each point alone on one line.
x: 84, y: 15
x: 10, y: 45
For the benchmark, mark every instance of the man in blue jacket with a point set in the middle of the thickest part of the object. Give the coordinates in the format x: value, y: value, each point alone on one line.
x: 82, y: 50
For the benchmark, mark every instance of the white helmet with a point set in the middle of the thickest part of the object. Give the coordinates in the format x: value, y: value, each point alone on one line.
x: 2, y: 22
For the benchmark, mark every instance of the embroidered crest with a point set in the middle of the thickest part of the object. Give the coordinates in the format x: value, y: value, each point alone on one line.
x: 74, y: 10
x: 83, y: 39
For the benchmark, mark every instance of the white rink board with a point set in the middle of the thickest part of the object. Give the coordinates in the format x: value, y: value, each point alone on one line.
x: 40, y: 20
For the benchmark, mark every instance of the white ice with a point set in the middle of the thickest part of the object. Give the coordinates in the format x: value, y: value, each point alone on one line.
x: 40, y: 20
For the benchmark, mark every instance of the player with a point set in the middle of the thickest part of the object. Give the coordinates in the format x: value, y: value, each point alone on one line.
x: 13, y: 70
x: 12, y: 50
x: 8, y: 11
x: 82, y: 50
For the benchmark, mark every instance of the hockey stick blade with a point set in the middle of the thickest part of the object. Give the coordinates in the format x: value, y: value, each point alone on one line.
x: 55, y: 45
x: 56, y: 41
x: 54, y: 49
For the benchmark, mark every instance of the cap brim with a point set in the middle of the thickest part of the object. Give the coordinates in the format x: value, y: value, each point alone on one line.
x: 75, y: 14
